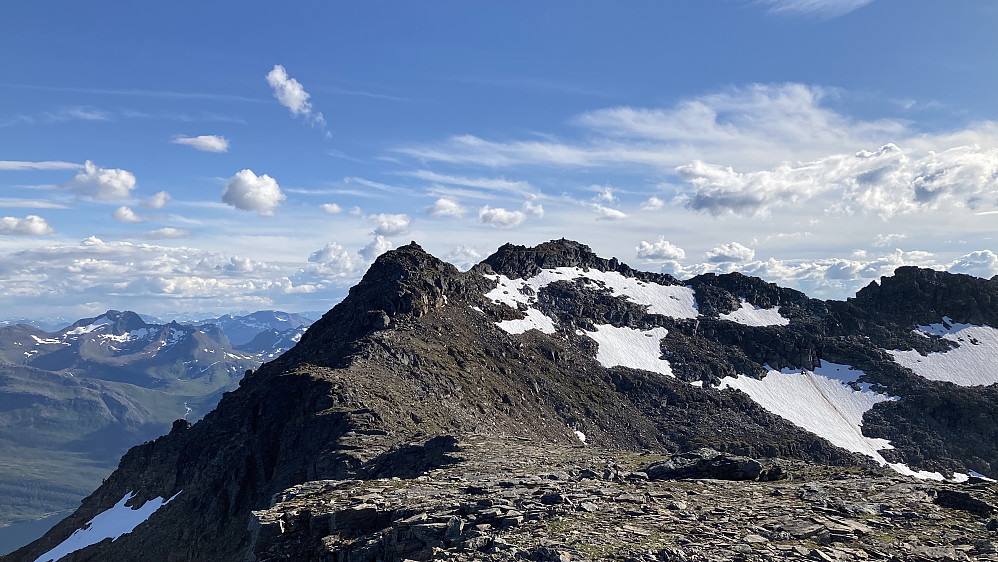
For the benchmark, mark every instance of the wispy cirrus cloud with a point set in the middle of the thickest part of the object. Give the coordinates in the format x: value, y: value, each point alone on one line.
x: 823, y: 8
x: 20, y: 165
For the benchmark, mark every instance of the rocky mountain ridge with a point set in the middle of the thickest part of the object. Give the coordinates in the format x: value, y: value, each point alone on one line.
x: 562, y: 348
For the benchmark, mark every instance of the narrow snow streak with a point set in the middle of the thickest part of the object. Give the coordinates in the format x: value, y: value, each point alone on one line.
x: 751, y: 315
x: 974, y: 363
x: 627, y: 347
x: 110, y: 524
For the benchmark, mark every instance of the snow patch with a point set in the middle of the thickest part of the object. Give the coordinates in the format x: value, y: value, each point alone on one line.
x: 580, y: 435
x: 47, y: 340
x: 974, y: 363
x: 627, y: 347
x: 534, y: 320
x: 668, y: 300
x: 751, y: 315
x: 820, y: 402
x: 920, y: 474
x: 109, y: 524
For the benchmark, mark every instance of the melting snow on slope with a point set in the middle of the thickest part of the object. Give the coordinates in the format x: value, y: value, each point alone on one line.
x: 534, y: 320
x: 668, y: 300
x: 751, y: 315
x: 627, y: 347
x: 109, y: 524
x: 974, y: 363
x: 819, y: 402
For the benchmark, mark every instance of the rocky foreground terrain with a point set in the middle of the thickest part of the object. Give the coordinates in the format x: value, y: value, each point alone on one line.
x: 512, y: 498
x: 534, y: 408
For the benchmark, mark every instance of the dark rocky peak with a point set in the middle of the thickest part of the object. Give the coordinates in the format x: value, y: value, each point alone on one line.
x: 722, y: 294
x: 403, y: 283
x: 918, y: 296
x: 518, y: 262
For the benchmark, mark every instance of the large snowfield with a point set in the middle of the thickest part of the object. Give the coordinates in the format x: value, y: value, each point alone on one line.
x: 973, y: 363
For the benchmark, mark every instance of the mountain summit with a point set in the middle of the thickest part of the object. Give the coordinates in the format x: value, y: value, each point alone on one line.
x: 560, y: 348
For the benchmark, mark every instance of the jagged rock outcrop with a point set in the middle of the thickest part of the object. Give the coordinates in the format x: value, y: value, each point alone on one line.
x: 418, y: 351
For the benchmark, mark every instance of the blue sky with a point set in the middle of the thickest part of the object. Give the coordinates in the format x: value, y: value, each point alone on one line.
x: 214, y: 157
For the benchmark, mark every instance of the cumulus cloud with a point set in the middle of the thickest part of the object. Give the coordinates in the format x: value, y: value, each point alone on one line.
x: 446, y: 207
x: 733, y: 252
x: 463, y: 257
x: 102, y: 184
x: 157, y: 201
x: 982, y: 263
x: 30, y: 225
x: 126, y: 215
x: 608, y: 213
x: 391, y: 225
x: 250, y: 192
x: 378, y: 246
x: 292, y: 95
x: 334, y: 259
x: 204, y: 143
x: 331, y: 208
x: 652, y: 204
x: 604, y: 193
x: 500, y: 217
x: 660, y: 249
x: 533, y: 209
x: 885, y: 182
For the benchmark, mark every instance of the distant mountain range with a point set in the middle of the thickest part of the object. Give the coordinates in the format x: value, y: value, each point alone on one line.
x: 72, y: 400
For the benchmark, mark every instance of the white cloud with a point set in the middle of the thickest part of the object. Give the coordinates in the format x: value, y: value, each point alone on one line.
x: 885, y: 182
x: 157, y: 201
x: 391, y: 225
x: 533, y: 209
x: 204, y: 143
x: 652, y: 204
x: 463, y: 257
x: 733, y: 252
x: 446, y: 207
x: 500, y: 217
x: 982, y: 263
x: 333, y: 259
x: 826, y: 8
x: 30, y: 225
x: 250, y: 192
x: 45, y: 165
x: 102, y: 184
x: 356, y: 211
x: 883, y: 240
x: 661, y: 249
x: 292, y: 95
x: 501, y: 185
x: 608, y: 213
x: 755, y: 126
x: 126, y: 215
x: 331, y: 208
x: 167, y: 233
x: 604, y: 193
x: 378, y: 246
